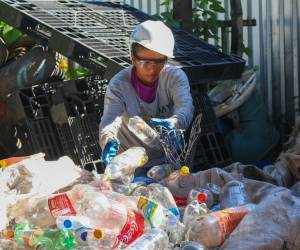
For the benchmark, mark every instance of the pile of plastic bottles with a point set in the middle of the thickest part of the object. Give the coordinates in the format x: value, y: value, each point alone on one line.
x: 112, y: 212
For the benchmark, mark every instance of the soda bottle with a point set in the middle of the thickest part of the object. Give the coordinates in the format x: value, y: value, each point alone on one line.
x: 180, y: 184
x: 202, y: 195
x: 193, y: 210
x: 160, y: 172
x: 155, y: 239
x: 212, y: 229
x: 143, y: 131
x: 122, y: 166
x: 234, y: 194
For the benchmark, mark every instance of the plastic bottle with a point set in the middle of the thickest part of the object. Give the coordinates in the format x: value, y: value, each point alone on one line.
x: 164, y: 197
x: 201, y: 195
x: 122, y: 166
x: 156, y: 239
x: 143, y: 131
x: 212, y: 229
x: 72, y: 222
x: 7, y: 234
x: 160, y: 172
x: 193, y: 210
x: 96, y: 238
x: 48, y: 239
x: 191, y: 245
x: 160, y: 217
x: 215, y: 190
x: 234, y: 194
x: 180, y: 184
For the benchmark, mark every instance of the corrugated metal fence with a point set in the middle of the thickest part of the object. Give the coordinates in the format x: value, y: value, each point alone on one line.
x: 274, y: 43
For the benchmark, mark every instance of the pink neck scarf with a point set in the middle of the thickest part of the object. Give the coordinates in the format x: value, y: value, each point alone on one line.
x: 146, y: 93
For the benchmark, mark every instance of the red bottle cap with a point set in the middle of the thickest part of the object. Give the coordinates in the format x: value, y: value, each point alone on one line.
x: 202, y: 197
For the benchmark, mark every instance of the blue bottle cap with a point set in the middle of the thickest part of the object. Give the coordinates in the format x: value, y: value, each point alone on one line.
x: 67, y: 223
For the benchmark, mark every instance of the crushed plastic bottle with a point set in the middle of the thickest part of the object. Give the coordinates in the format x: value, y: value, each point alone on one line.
x: 164, y: 197
x: 234, y: 194
x: 72, y: 222
x: 215, y: 190
x: 160, y: 217
x: 191, y: 245
x: 201, y: 195
x: 160, y: 172
x: 180, y: 183
x: 156, y: 239
x: 193, y: 210
x: 122, y: 166
x: 143, y: 131
x: 212, y: 229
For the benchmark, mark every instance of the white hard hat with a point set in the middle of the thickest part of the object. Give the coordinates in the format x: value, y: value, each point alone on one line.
x: 154, y: 35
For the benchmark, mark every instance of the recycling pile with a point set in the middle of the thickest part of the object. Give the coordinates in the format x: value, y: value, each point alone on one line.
x: 57, y: 205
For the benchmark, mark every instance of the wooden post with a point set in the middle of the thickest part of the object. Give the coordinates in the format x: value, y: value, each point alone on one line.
x: 236, y: 14
x: 183, y: 13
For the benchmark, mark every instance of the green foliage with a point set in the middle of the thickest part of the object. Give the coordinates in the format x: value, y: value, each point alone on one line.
x: 204, y: 11
x: 9, y: 34
x: 207, y: 10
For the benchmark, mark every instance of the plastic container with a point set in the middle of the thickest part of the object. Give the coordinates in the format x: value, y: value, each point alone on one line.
x: 234, y: 194
x: 212, y: 229
x: 160, y: 172
x: 193, y: 210
x: 180, y: 183
x: 202, y: 195
x: 122, y: 166
x: 143, y: 131
x: 48, y: 239
x: 191, y: 245
x: 156, y: 239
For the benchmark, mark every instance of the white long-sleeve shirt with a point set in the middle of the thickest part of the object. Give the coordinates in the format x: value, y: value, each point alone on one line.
x: 173, y: 99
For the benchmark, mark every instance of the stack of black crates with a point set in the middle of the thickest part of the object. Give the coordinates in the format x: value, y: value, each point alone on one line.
x: 63, y: 117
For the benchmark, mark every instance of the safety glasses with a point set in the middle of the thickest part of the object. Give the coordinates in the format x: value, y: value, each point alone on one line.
x: 150, y: 62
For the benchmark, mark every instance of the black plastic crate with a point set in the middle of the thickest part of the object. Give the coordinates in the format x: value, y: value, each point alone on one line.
x: 86, y: 137
x: 96, y: 36
x: 210, y: 149
x: 38, y: 136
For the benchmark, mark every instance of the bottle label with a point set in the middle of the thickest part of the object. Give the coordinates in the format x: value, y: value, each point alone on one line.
x: 61, y: 205
x: 180, y: 201
x: 152, y: 211
x: 133, y: 228
x: 229, y: 218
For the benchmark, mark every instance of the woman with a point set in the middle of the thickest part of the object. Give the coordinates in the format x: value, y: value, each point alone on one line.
x: 158, y: 93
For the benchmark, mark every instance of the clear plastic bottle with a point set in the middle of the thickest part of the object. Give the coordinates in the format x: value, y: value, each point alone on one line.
x: 72, y: 222
x: 160, y: 172
x: 180, y: 183
x: 156, y: 239
x: 212, y: 229
x: 143, y: 131
x: 122, y: 166
x: 215, y: 190
x: 201, y: 195
x: 160, y: 217
x: 193, y: 210
x: 191, y: 245
x: 96, y: 238
x: 234, y: 194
